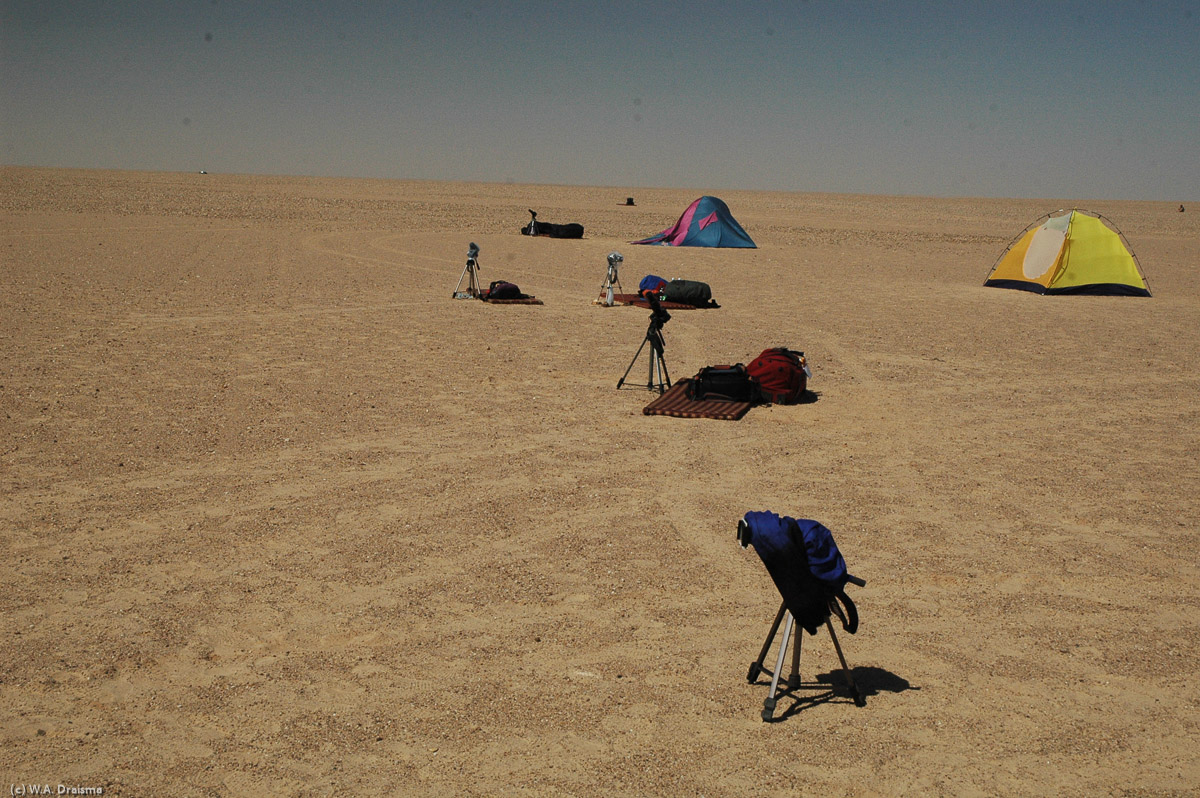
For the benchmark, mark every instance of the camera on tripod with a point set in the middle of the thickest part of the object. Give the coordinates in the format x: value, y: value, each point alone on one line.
x: 471, y: 275
x: 658, y: 376
x: 612, y: 281
x: 658, y: 314
x: 615, y: 259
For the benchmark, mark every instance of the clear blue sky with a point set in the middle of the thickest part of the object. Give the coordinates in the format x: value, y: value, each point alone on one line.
x: 1073, y: 99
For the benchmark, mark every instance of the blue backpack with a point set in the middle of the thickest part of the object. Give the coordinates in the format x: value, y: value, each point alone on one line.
x: 651, y: 283
x: 806, y: 566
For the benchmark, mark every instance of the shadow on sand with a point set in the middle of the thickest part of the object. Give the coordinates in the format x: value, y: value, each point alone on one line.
x: 831, y: 687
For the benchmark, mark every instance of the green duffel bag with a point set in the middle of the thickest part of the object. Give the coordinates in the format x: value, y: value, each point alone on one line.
x: 687, y: 292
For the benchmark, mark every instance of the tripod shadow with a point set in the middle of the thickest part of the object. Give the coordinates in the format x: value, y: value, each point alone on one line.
x: 831, y: 687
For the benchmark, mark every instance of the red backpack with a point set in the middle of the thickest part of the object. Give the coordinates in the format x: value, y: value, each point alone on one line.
x: 781, y: 374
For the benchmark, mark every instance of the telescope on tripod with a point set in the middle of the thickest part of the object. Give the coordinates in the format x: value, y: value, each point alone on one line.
x: 471, y: 275
x: 808, y: 569
x: 659, y: 378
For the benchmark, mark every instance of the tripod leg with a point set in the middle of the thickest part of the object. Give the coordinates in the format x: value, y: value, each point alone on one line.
x: 769, y: 703
x: 756, y: 666
x: 657, y: 346
x: 794, y: 678
x: 859, y: 701
x: 621, y: 381
x: 455, y: 293
x: 653, y: 360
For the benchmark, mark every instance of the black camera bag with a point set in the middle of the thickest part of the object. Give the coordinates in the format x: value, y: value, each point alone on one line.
x: 722, y: 383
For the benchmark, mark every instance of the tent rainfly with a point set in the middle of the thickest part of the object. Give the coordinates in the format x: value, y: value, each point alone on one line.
x: 1075, y: 252
x: 707, y: 222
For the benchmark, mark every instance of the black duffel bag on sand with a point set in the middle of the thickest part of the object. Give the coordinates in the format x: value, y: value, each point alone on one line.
x: 723, y: 383
x: 687, y: 292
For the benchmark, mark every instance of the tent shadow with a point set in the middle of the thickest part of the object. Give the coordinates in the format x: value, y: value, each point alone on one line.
x: 832, y: 687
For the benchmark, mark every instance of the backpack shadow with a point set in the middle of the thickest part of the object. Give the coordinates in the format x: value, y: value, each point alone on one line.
x: 808, y: 397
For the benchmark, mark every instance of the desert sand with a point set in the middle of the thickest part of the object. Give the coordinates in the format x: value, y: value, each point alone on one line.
x: 279, y: 516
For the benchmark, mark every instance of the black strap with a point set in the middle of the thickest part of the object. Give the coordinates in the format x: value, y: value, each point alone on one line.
x: 850, y: 625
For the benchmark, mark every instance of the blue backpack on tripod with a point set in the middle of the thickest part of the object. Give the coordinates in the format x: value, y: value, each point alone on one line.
x: 806, y: 566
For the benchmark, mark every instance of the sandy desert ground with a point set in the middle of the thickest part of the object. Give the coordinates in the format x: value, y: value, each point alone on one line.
x: 279, y: 516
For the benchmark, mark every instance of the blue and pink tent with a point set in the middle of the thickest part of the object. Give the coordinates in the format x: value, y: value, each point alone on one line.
x: 707, y: 222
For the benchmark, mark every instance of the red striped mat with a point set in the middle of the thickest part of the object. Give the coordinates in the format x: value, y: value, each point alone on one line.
x: 675, y: 402
x: 637, y: 301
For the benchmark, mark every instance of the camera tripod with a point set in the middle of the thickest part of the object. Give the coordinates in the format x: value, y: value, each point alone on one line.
x: 653, y: 337
x: 611, y: 280
x: 793, y: 680
x: 471, y: 275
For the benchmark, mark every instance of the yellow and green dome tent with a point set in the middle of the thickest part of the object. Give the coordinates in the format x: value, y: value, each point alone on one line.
x: 1075, y: 252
